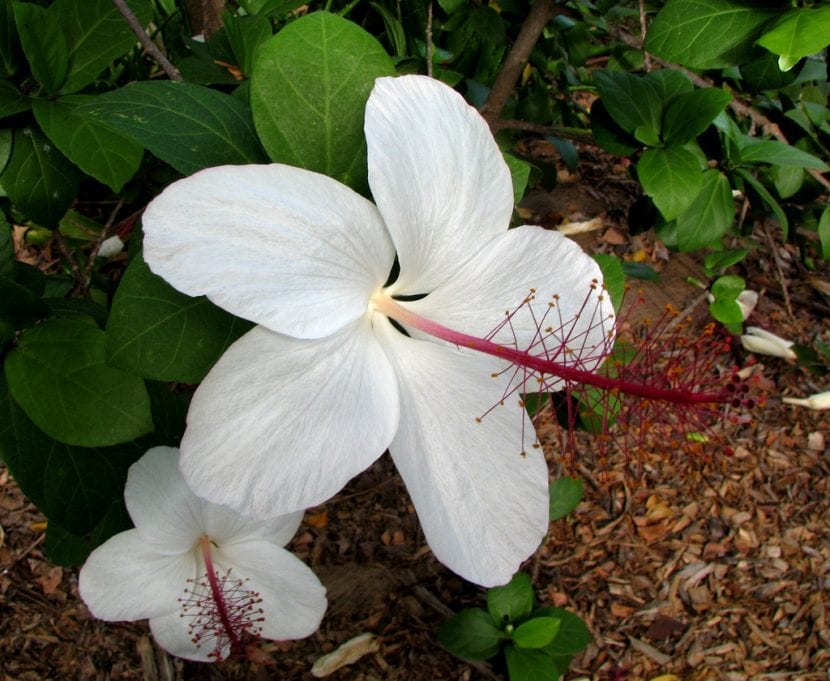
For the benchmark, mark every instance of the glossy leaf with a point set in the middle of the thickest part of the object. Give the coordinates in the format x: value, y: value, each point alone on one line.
x: 188, y: 126
x: 671, y: 177
x: 573, y: 636
x: 38, y: 179
x: 613, y: 277
x: 11, y: 101
x: 632, y: 101
x: 709, y: 216
x: 7, y: 257
x: 801, y: 32
x: 529, y: 665
x: 513, y: 601
x: 824, y: 233
x: 753, y: 150
x: 308, y: 91
x: 536, y: 632
x: 669, y: 84
x: 565, y: 495
x: 706, y: 34
x: 9, y: 45
x: 156, y: 332
x: 471, y: 634
x: 691, y: 113
x: 44, y: 44
x: 101, y: 152
x: 58, y: 376
x: 767, y: 198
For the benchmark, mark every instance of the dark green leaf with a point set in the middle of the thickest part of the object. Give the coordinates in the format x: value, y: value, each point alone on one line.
x: 801, y: 32
x: 73, y: 486
x: 824, y: 233
x: 5, y: 148
x: 716, y: 262
x: 728, y: 287
x: 706, y: 34
x: 58, y: 375
x: 156, y: 332
x: 487, y: 24
x: 788, y: 180
x: 11, y: 101
x: 107, y: 155
x: 19, y: 306
x: 639, y: 270
x: 188, y: 126
x: 690, y: 114
x: 38, y: 179
x: 669, y: 84
x: 709, y: 217
x: 97, y: 35
x: 9, y: 46
x: 511, y: 602
x: 308, y: 92
x: 573, y: 636
x: 608, y: 134
x: 7, y: 258
x: 471, y: 635
x: 767, y: 198
x: 68, y: 549
x: 632, y: 101
x: 613, y: 277
x: 519, y: 173
x: 529, y: 665
x: 763, y: 74
x: 565, y: 495
x: 671, y: 177
x: 44, y: 44
x: 246, y: 35
x: 753, y: 150
x: 536, y: 632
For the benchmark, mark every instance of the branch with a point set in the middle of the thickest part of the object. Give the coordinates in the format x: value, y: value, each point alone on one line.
x: 133, y: 22
x: 575, y: 134
x: 540, y: 13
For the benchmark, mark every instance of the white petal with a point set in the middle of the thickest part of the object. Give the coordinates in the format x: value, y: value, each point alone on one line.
x: 482, y: 503
x: 225, y: 526
x: 165, y: 512
x: 578, y: 329
x: 293, y: 600
x: 437, y: 177
x: 281, y: 424
x: 123, y: 579
x: 284, y: 247
x: 172, y: 632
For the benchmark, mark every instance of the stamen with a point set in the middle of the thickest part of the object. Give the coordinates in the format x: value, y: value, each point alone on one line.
x: 223, y: 613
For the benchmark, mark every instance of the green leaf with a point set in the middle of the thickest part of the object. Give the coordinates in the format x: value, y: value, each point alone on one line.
x: 107, y: 155
x: 519, y: 173
x: 58, y: 375
x: 706, y: 34
x: 511, y: 602
x: 20, y: 307
x: 67, y: 548
x: 671, y: 177
x: 632, y: 101
x: 97, y: 35
x: 529, y: 665
x: 709, y: 216
x: 787, y: 179
x: 565, y: 495
x: 536, y: 632
x: 763, y: 74
x: 573, y: 636
x: 669, y: 84
x: 690, y: 114
x: 156, y: 332
x: 753, y: 150
x: 38, y: 179
x: 613, y: 277
x: 718, y: 261
x: 727, y: 312
x: 308, y: 92
x: 9, y: 44
x: 11, y: 101
x: 73, y: 486
x: 7, y: 257
x: 767, y: 198
x: 608, y: 134
x: 44, y: 44
x: 728, y: 287
x: 188, y: 126
x: 5, y: 149
x: 246, y: 35
x: 471, y: 635
x: 824, y: 233
x: 800, y: 33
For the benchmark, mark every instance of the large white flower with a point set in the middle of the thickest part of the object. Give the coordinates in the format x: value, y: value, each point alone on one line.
x: 207, y: 578
x: 326, y: 383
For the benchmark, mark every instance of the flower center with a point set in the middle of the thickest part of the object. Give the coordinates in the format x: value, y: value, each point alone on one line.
x: 223, y: 613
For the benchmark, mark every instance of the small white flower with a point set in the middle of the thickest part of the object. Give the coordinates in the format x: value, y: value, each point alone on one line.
x: 747, y: 300
x: 763, y: 342
x: 819, y: 401
x: 110, y: 247
x: 326, y: 383
x: 207, y: 578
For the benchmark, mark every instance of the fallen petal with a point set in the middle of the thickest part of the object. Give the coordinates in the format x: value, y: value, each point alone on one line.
x: 348, y: 653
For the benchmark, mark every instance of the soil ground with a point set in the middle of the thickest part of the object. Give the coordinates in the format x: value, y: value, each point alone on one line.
x: 710, y: 567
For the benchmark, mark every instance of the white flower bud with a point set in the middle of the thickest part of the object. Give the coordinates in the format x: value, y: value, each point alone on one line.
x: 819, y: 401
x: 763, y: 342
x: 110, y: 247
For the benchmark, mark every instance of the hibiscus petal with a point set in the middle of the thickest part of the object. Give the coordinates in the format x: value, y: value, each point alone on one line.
x: 173, y: 633
x: 578, y: 329
x: 281, y: 424
x: 289, y: 249
x: 437, y: 177
x: 165, y: 512
x: 227, y: 527
x: 482, y: 503
x: 293, y: 600
x: 124, y: 579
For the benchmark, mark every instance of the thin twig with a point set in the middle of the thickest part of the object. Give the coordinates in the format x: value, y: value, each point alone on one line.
x: 67, y: 254
x: 641, y: 5
x: 429, y: 39
x: 133, y: 22
x: 540, y: 13
x: 96, y: 245
x: 575, y: 134
x: 779, y: 271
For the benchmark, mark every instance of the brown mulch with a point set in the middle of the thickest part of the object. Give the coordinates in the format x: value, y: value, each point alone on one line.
x: 702, y: 568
